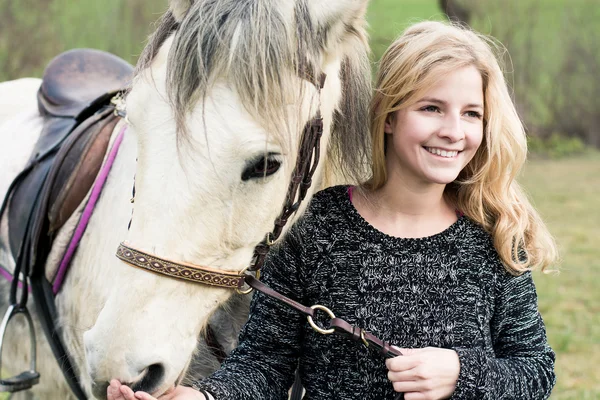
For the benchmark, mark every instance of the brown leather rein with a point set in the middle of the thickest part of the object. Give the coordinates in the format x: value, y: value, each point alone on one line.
x: 306, y: 165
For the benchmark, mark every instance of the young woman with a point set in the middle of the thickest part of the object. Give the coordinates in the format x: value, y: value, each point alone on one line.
x: 432, y: 254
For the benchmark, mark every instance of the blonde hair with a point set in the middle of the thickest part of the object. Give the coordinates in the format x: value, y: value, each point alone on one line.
x: 485, y: 190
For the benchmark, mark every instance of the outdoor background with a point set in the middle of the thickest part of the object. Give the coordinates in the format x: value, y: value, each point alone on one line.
x: 553, y: 69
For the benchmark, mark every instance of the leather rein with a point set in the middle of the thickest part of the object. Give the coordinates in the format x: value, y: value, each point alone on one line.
x: 306, y: 165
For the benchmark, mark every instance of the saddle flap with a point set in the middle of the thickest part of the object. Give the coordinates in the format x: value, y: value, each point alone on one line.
x: 77, y: 172
x: 30, y: 201
x: 75, y: 79
x: 40, y: 235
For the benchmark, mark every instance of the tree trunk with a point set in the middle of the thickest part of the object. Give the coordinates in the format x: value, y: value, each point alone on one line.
x: 455, y: 12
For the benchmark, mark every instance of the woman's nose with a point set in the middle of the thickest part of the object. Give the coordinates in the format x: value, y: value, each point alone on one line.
x: 452, y: 128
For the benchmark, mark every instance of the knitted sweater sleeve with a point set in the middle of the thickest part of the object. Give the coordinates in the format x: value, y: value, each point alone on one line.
x: 263, y: 364
x: 523, y: 365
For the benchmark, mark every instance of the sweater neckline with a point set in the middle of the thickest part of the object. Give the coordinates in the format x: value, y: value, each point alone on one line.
x: 362, y: 224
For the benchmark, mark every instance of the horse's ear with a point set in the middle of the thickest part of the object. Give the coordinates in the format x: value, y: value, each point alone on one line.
x: 336, y: 17
x: 179, y: 8
x: 336, y: 9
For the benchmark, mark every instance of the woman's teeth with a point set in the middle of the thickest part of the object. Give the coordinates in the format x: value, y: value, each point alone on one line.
x: 442, y: 153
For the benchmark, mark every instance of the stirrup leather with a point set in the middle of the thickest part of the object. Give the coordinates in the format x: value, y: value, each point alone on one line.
x: 26, y: 379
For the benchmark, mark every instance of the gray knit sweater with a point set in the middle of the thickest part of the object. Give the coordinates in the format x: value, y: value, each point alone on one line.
x: 448, y: 290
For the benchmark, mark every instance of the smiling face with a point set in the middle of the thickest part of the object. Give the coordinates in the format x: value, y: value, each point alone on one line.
x: 432, y: 140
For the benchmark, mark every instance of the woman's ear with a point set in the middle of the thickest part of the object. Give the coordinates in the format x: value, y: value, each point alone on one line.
x: 389, y: 123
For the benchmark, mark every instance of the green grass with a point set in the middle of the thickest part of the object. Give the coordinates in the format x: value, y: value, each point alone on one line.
x: 566, y: 193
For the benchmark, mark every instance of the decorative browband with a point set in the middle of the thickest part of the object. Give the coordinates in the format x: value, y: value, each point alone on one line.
x: 188, y: 272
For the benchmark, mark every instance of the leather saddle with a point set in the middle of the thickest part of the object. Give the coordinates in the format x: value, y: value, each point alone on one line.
x: 74, y: 99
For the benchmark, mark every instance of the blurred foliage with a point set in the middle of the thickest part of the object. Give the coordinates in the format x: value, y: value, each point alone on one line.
x: 552, y: 62
x: 556, y: 146
x: 32, y: 32
x: 388, y: 18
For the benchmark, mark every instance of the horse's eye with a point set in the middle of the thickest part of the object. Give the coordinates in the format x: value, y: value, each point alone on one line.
x: 261, y: 167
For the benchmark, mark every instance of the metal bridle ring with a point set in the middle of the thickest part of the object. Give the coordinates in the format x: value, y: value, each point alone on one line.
x: 315, y: 326
x: 244, y: 291
x: 248, y: 287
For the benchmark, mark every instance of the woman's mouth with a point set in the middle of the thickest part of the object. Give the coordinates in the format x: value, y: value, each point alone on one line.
x: 442, y: 152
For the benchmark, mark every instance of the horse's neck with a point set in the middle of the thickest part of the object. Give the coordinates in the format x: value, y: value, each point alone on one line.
x: 88, y: 281
x: 118, y: 172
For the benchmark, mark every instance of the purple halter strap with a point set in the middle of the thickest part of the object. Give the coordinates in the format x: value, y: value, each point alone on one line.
x: 87, y: 213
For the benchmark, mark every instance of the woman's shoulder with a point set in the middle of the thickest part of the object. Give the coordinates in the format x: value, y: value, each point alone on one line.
x: 479, y: 244
x: 321, y: 212
x: 324, y: 212
x: 328, y: 203
x: 473, y: 231
x: 332, y: 195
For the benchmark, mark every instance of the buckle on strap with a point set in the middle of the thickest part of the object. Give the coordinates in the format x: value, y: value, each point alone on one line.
x: 26, y: 379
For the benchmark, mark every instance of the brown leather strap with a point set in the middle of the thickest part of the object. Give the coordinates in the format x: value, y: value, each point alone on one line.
x: 261, y: 287
x: 360, y: 335
x: 306, y: 165
x: 188, y: 272
x: 338, y: 325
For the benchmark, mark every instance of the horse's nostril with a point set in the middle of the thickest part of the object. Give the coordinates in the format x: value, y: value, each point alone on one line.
x: 151, y: 379
x: 99, y: 389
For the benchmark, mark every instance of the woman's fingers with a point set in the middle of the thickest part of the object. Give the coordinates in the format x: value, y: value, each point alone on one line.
x: 113, y: 391
x: 416, y: 396
x: 407, y: 375
x: 401, y: 363
x: 143, y: 396
x: 408, y: 386
x: 425, y: 373
x: 118, y: 391
x: 127, y: 393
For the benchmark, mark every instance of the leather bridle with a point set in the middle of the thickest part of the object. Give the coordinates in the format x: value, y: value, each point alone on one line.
x: 306, y: 165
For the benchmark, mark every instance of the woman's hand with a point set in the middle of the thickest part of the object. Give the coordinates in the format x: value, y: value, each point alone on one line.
x: 117, y: 391
x: 428, y: 373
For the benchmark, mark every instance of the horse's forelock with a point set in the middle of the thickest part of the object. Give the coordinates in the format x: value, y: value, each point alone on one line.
x: 250, y: 44
x: 246, y: 42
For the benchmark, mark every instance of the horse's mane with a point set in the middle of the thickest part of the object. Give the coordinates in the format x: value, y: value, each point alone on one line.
x: 248, y: 43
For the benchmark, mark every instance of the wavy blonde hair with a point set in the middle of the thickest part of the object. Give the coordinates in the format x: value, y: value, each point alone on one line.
x: 486, y: 189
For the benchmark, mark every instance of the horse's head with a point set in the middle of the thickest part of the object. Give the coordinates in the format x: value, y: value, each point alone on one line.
x: 221, y: 97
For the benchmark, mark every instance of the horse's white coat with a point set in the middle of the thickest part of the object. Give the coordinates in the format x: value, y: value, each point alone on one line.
x: 191, y: 205
x: 18, y: 134
x: 20, y: 126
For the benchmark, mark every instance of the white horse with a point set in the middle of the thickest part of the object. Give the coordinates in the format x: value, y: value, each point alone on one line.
x: 214, y: 115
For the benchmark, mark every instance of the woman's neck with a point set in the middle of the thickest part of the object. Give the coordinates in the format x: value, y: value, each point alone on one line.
x: 407, y: 212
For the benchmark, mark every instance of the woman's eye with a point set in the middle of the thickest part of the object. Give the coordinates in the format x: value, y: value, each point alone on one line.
x: 430, y: 108
x: 474, y: 114
x: 261, y: 168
